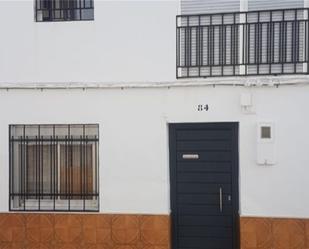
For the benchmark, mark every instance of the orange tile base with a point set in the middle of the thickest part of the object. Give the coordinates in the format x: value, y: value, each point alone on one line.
x: 84, y: 231
x: 274, y: 233
x: 106, y: 231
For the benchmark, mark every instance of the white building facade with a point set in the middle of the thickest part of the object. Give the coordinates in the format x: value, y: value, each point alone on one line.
x: 101, y: 140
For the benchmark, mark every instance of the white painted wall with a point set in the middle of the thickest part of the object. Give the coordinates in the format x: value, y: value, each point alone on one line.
x: 134, y: 167
x: 127, y: 41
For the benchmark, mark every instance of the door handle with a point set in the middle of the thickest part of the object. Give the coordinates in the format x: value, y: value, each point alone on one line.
x: 220, y: 194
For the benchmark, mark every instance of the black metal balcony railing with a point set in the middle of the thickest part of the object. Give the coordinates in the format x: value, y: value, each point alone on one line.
x: 268, y: 42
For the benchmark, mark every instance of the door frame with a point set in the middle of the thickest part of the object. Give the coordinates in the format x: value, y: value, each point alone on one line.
x: 172, y: 127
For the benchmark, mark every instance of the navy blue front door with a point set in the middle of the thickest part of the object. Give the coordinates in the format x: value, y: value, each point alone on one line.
x: 204, y: 185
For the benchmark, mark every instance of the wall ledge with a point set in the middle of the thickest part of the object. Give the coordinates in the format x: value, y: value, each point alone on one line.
x: 244, y: 81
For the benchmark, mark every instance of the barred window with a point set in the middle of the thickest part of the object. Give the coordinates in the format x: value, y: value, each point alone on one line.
x: 54, y: 167
x: 63, y: 10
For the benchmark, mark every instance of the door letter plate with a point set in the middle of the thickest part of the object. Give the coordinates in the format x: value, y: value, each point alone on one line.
x: 190, y: 156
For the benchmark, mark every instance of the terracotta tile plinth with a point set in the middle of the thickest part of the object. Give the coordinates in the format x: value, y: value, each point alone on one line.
x: 83, y: 231
x: 125, y: 229
x: 39, y: 228
x: 274, y: 233
x: 155, y: 230
x: 12, y: 228
x: 97, y: 229
x: 104, y: 231
x: 68, y: 228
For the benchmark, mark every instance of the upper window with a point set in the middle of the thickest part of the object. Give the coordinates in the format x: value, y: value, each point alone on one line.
x: 54, y: 167
x: 63, y: 10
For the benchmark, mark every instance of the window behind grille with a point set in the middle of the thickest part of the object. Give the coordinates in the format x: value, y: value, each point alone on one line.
x: 63, y: 10
x: 54, y: 167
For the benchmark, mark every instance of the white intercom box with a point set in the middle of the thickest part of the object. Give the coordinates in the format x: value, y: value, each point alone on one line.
x: 266, y: 143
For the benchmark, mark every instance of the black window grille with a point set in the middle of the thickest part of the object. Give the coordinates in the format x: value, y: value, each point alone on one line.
x: 54, y: 167
x: 63, y: 10
x: 267, y: 42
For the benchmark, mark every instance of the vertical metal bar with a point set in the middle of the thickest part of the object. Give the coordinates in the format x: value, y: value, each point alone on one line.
x: 270, y: 51
x: 24, y: 165
x: 224, y: 46
x: 196, y: 47
x: 258, y: 59
x: 208, y: 46
x: 232, y: 46
x: 39, y: 167
x: 177, y: 51
x: 211, y: 46
x: 72, y: 9
x: 294, y: 41
x: 20, y: 179
x: 70, y: 166
x: 87, y: 167
x: 221, y: 44
x: 256, y: 41
x: 54, y: 9
x: 58, y: 168
x: 307, y: 39
x: 177, y: 47
x: 36, y: 10
x: 64, y: 9
x: 243, y: 44
x: 42, y: 168
x: 81, y: 165
x: 80, y: 10
x: 84, y: 166
x: 247, y: 45
x: 60, y: 9
x: 198, y: 52
x: 202, y: 46
x: 282, y: 46
x: 66, y: 167
x: 186, y: 45
x: 49, y: 4
x: 261, y: 24
x: 213, y: 32
x: 273, y: 27
x: 27, y: 167
x: 10, y: 167
x: 190, y: 46
x: 298, y: 22
x: 237, y: 45
x: 13, y: 170
x: 280, y: 42
x: 54, y: 167
x: 95, y: 165
x: 234, y: 42
x: 285, y: 41
x: 50, y: 145
x: 267, y: 44
x: 36, y: 167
